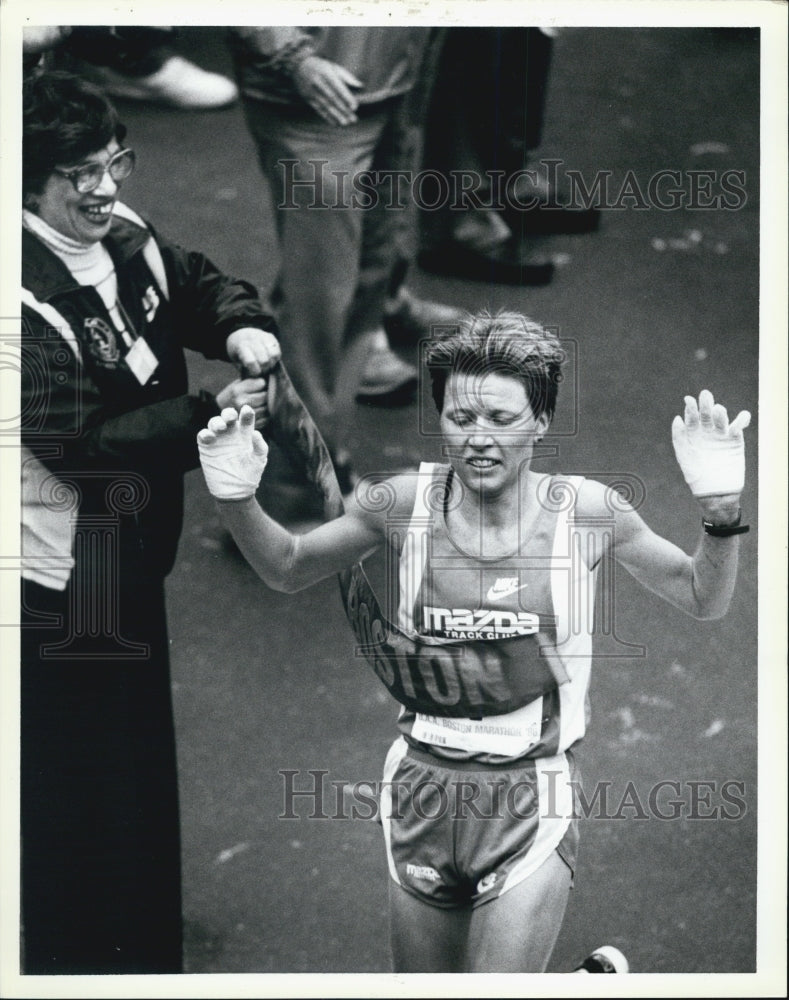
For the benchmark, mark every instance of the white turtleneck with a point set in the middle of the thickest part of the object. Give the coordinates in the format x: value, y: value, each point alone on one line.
x: 89, y: 264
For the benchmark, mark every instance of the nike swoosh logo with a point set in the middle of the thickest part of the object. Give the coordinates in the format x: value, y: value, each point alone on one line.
x: 495, y: 594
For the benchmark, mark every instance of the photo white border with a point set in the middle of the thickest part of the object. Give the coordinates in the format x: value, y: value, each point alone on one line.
x: 770, y: 977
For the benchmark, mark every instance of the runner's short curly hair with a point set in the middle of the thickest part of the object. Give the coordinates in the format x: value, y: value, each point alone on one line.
x: 504, y: 343
x: 64, y: 118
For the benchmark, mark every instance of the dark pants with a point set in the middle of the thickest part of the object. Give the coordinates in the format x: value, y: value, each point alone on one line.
x: 101, y: 886
x: 488, y: 103
x: 487, y: 108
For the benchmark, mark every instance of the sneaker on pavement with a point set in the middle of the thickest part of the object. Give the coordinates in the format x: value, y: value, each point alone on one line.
x: 604, y: 959
x: 178, y: 83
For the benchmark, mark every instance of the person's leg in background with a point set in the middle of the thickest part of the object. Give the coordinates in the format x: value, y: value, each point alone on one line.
x: 486, y: 119
x: 386, y: 249
x: 384, y: 308
x: 333, y: 273
x: 408, y: 318
x: 142, y: 64
x: 474, y: 123
x: 308, y: 165
x: 524, y: 57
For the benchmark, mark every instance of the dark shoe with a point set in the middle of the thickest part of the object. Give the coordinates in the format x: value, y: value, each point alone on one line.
x: 540, y: 209
x: 505, y: 265
x: 387, y: 380
x: 409, y: 319
x: 553, y: 220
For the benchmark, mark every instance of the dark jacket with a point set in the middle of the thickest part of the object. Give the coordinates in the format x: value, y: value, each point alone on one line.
x: 88, y: 419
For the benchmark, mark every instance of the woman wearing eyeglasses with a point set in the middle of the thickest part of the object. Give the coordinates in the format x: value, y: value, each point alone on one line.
x: 108, y: 430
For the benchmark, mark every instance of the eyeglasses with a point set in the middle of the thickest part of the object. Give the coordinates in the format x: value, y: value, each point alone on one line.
x: 86, y: 179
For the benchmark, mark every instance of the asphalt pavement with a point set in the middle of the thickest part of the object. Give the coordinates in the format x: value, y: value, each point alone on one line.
x: 662, y: 301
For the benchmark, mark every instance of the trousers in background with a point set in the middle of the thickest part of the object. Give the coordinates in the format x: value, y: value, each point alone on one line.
x: 487, y: 108
x: 336, y: 257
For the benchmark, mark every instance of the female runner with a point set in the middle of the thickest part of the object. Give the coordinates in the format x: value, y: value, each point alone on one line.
x: 496, y: 578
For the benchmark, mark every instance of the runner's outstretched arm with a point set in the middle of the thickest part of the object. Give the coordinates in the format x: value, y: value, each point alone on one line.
x: 711, y: 455
x: 233, y: 456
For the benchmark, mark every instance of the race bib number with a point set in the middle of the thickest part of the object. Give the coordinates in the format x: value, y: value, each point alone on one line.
x: 509, y: 735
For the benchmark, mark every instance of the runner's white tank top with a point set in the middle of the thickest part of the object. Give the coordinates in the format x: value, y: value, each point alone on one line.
x: 541, y: 597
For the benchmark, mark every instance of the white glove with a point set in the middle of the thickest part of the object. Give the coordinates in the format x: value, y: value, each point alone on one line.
x: 233, y: 454
x: 709, y: 449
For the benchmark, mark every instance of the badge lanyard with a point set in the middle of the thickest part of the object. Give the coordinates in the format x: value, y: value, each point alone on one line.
x: 139, y: 358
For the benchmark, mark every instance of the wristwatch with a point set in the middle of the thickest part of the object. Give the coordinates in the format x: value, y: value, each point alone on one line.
x: 726, y: 530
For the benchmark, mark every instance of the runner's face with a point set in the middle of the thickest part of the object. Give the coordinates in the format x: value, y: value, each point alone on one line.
x: 85, y: 218
x: 489, y: 430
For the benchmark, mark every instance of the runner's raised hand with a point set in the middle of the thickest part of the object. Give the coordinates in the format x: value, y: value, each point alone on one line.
x: 233, y: 454
x: 709, y: 449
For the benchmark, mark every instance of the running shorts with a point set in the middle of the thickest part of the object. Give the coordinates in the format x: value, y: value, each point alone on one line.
x: 459, y: 833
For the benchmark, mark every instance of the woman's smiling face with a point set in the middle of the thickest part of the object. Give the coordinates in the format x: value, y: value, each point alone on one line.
x: 85, y: 218
x: 489, y: 429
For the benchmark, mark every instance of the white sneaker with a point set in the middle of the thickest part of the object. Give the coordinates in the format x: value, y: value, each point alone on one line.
x: 604, y: 959
x: 179, y: 84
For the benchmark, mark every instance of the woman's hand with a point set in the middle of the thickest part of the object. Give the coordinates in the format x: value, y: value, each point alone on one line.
x: 233, y: 454
x: 325, y: 86
x: 253, y: 351
x: 711, y: 455
x: 250, y: 392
